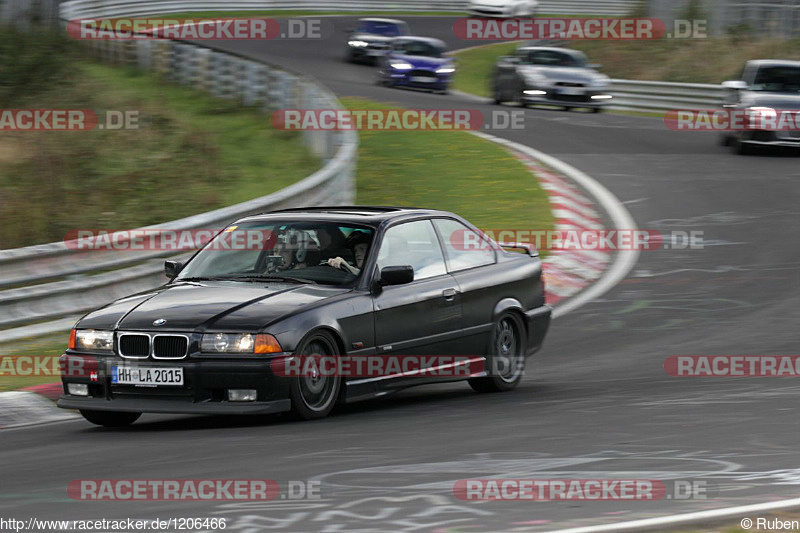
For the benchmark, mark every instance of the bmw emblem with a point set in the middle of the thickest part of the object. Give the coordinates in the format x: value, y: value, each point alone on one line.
x: 159, y: 322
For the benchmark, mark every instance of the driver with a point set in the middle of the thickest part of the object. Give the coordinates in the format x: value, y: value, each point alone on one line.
x: 358, y: 242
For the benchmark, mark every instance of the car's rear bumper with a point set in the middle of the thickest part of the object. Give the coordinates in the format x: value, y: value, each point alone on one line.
x: 204, y: 391
x: 538, y: 322
x: 790, y: 139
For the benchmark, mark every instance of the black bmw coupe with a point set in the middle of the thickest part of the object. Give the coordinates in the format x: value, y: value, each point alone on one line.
x: 422, y: 292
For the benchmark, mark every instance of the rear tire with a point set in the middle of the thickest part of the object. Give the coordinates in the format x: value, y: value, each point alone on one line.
x: 506, y: 362
x: 314, y: 397
x: 110, y: 419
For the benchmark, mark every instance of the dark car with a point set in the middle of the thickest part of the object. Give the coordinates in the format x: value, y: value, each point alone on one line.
x: 418, y: 62
x: 550, y: 76
x: 214, y: 339
x: 767, y: 86
x: 370, y: 39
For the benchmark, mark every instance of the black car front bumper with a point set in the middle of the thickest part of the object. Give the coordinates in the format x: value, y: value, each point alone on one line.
x: 203, y: 392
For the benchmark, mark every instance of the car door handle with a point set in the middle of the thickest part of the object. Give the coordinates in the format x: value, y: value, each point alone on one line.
x: 449, y: 294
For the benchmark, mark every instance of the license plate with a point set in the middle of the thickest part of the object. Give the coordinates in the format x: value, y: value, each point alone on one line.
x: 571, y: 91
x: 146, y: 376
x: 422, y: 79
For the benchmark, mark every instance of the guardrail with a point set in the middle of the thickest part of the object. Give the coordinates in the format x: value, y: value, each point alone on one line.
x: 658, y: 96
x: 107, y: 8
x: 46, y: 287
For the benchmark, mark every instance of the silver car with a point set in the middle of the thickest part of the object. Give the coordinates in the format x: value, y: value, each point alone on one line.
x: 550, y: 76
x: 502, y: 8
x: 767, y: 87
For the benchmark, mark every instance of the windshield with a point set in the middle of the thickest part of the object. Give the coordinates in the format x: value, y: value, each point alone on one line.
x: 327, y: 253
x: 551, y: 58
x: 388, y: 29
x: 418, y: 48
x: 782, y: 79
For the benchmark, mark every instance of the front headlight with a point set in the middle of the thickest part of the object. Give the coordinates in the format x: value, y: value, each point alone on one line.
x: 401, y: 65
x: 445, y: 70
x: 601, y: 82
x: 90, y: 340
x: 357, y: 44
x: 243, y: 343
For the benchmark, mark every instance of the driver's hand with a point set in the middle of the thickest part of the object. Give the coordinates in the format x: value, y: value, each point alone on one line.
x: 336, y: 262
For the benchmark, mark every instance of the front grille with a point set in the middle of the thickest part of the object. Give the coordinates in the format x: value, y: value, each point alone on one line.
x: 570, y: 97
x: 170, y: 346
x: 424, y: 74
x: 134, y: 345
x: 568, y: 84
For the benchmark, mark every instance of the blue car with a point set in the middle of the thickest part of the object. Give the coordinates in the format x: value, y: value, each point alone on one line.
x: 417, y: 62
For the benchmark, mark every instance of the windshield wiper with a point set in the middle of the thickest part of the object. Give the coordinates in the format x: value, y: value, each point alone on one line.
x: 274, y: 278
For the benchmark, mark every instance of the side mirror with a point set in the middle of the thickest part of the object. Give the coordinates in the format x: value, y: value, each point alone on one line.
x: 595, y: 66
x: 735, y: 85
x: 172, y: 268
x: 397, y: 275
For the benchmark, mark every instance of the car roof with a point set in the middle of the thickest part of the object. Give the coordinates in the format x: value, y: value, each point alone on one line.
x: 429, y: 40
x: 774, y: 62
x: 378, y: 19
x: 368, y: 214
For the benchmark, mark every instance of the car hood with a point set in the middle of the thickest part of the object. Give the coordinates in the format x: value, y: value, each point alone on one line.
x: 563, y: 74
x: 773, y: 100
x: 370, y: 38
x: 193, y: 306
x: 422, y: 62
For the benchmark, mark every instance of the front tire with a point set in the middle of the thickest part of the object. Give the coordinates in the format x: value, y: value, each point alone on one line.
x: 314, y: 397
x: 506, y: 362
x: 110, y: 419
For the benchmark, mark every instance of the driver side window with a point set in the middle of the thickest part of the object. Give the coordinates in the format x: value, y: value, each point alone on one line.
x: 415, y: 244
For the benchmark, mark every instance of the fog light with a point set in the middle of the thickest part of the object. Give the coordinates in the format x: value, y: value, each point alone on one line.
x: 535, y: 92
x: 78, y: 389
x: 602, y: 97
x: 242, y: 395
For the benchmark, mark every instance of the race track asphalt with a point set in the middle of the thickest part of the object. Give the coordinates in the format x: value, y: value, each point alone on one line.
x: 596, y: 403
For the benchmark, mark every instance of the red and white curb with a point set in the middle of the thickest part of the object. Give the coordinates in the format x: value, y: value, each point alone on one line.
x: 574, y: 278
x: 567, y: 272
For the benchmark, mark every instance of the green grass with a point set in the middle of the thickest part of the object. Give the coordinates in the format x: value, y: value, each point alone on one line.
x: 192, y: 154
x: 475, y: 65
x: 450, y: 170
x: 49, y: 346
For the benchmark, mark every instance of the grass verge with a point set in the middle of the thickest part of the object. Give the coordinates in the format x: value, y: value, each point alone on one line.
x: 192, y: 153
x: 450, y: 170
x: 50, y: 346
